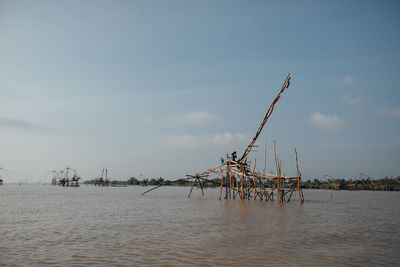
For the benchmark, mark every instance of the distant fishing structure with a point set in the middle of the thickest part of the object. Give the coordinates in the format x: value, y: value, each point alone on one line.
x: 143, y: 181
x: 241, y: 180
x: 5, y: 172
x: 66, y: 177
x: 103, y: 179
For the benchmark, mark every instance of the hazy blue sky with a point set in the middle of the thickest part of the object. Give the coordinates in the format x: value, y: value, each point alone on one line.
x: 165, y: 88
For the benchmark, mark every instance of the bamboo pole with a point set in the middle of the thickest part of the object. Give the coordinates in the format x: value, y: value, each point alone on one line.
x: 237, y: 184
x: 227, y: 185
x: 267, y: 115
x: 232, y: 185
x: 291, y: 192
x: 254, y: 180
x: 277, y: 174
x: 298, y: 179
x: 201, y: 186
x: 222, y: 183
x: 242, y: 178
x: 191, y: 189
x: 151, y: 189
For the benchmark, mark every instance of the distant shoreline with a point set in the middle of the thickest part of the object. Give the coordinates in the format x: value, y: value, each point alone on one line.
x: 383, y: 184
x: 368, y: 184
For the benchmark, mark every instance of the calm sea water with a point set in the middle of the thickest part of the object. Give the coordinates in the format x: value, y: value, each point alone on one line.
x: 117, y: 226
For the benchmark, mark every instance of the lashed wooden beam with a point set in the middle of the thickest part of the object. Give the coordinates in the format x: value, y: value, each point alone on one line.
x: 267, y: 115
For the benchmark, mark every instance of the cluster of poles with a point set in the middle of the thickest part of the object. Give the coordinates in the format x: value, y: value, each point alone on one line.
x: 70, y: 177
x: 103, y: 179
x: 66, y: 177
x: 240, y: 181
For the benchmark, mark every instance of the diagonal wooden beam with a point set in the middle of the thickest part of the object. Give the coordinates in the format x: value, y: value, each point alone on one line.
x: 267, y: 115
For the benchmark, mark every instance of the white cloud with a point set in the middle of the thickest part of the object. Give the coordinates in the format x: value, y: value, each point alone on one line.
x: 198, y: 117
x: 348, y: 79
x: 353, y: 99
x: 327, y: 123
x: 189, y: 141
x: 228, y: 138
x: 185, y: 140
x: 391, y: 113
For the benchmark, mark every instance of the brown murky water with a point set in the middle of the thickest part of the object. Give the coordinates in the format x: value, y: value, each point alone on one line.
x: 116, y: 226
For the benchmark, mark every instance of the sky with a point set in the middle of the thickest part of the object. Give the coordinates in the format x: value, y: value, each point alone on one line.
x: 165, y: 88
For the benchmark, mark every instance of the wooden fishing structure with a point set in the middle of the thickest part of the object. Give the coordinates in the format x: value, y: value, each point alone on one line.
x: 5, y: 172
x: 103, y: 179
x: 241, y: 180
x: 144, y: 182
x: 67, y: 177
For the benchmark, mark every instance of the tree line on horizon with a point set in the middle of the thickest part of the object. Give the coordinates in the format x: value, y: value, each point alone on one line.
x: 384, y: 184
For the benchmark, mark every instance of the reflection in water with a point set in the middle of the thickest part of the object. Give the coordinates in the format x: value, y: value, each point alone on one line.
x: 108, y: 226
